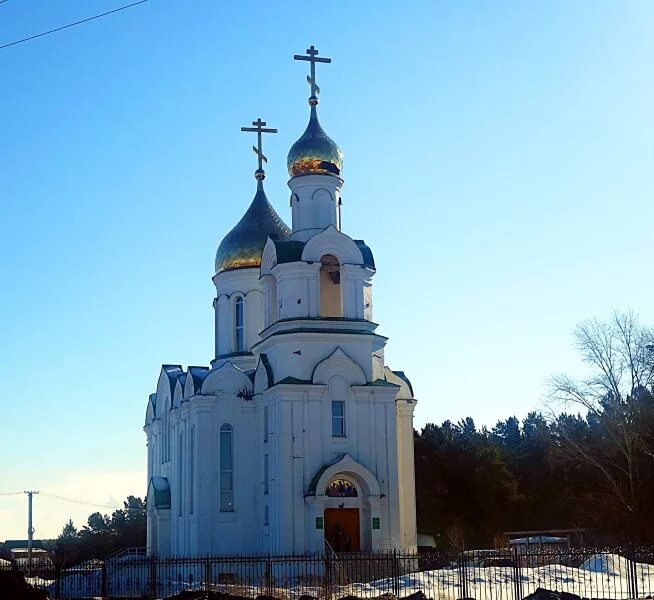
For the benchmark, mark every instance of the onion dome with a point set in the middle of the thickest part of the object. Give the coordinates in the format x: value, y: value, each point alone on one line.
x: 242, y: 247
x: 315, y: 153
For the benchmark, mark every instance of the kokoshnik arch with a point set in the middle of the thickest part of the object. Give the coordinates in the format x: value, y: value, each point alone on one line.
x: 298, y: 435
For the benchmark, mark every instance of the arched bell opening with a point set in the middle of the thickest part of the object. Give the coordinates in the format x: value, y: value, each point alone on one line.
x: 331, y: 297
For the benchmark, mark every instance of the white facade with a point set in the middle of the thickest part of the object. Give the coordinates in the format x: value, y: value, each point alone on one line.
x: 298, y: 433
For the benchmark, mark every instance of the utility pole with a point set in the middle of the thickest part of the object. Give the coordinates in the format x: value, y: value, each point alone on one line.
x: 30, y: 531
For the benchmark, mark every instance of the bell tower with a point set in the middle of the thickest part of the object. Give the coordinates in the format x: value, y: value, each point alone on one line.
x: 314, y: 164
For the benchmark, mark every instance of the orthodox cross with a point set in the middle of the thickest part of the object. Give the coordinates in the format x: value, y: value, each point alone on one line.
x: 259, y: 127
x: 311, y: 79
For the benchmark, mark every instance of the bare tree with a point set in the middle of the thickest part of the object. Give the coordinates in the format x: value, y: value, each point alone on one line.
x: 617, y: 400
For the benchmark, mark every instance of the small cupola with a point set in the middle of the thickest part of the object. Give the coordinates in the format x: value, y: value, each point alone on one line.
x: 315, y: 153
x: 242, y: 247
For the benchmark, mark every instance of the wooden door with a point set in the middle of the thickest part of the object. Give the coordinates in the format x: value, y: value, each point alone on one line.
x: 342, y: 529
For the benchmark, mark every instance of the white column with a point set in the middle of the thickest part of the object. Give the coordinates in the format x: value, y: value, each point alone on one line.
x: 406, y: 467
x: 205, y: 502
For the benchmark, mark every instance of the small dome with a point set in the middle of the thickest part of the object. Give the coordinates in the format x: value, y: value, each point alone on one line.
x: 241, y: 248
x: 315, y: 153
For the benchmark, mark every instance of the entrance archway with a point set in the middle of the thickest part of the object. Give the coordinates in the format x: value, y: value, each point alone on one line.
x: 346, y: 503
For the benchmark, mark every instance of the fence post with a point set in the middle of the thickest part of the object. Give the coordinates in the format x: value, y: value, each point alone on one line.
x: 153, y: 576
x: 517, y: 581
x: 269, y: 577
x: 633, y: 574
x: 207, y: 574
x: 463, y: 575
x: 396, y: 574
x: 57, y: 581
x: 328, y: 574
x: 103, y: 584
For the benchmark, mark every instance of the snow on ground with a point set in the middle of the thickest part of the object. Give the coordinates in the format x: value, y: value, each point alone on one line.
x: 600, y: 576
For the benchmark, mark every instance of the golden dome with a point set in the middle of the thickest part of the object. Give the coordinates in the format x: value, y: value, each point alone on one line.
x: 241, y: 248
x: 315, y: 153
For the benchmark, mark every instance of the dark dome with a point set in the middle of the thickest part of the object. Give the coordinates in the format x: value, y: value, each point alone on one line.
x: 241, y: 248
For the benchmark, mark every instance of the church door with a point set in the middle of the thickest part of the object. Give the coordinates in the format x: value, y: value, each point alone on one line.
x: 342, y: 529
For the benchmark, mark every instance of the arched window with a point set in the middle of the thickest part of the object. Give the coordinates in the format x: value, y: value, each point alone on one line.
x: 165, y: 434
x: 226, y: 468
x: 191, y: 467
x: 180, y: 473
x: 331, y: 304
x: 341, y: 488
x: 239, y: 328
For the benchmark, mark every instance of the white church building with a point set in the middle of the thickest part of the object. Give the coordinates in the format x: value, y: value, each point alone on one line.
x: 298, y: 435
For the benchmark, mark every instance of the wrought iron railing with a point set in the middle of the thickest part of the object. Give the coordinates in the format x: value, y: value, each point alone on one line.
x: 503, y: 574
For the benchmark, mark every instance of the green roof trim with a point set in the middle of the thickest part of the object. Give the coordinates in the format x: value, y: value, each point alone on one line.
x: 294, y: 381
x: 288, y: 250
x: 311, y: 491
x: 404, y: 378
x: 317, y: 330
x: 382, y: 383
x: 268, y: 368
x: 160, y: 491
x: 231, y: 355
x: 366, y: 252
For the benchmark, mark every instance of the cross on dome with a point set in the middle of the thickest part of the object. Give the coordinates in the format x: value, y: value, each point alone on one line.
x: 259, y: 128
x: 312, y: 57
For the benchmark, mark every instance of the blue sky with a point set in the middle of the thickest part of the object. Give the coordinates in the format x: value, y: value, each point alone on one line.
x: 498, y: 161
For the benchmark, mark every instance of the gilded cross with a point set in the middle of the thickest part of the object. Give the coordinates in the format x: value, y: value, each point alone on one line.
x: 259, y: 127
x: 312, y: 57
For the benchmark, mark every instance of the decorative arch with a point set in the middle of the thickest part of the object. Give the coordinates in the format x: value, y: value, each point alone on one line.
x: 345, y: 465
x: 332, y: 241
x: 322, y: 193
x: 223, y: 298
x: 226, y: 379
x: 338, y: 363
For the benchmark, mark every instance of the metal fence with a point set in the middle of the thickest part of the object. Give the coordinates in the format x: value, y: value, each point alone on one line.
x: 616, y: 573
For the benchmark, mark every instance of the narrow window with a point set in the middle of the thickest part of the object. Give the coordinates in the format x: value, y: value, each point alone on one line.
x: 265, y: 423
x: 265, y: 473
x: 338, y: 418
x: 180, y: 473
x: 191, y: 466
x: 266, y: 515
x: 226, y: 468
x: 239, y: 334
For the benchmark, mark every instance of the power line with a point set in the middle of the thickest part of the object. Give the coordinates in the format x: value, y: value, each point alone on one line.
x: 87, y: 502
x: 72, y: 24
x: 9, y: 493
x: 80, y: 501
